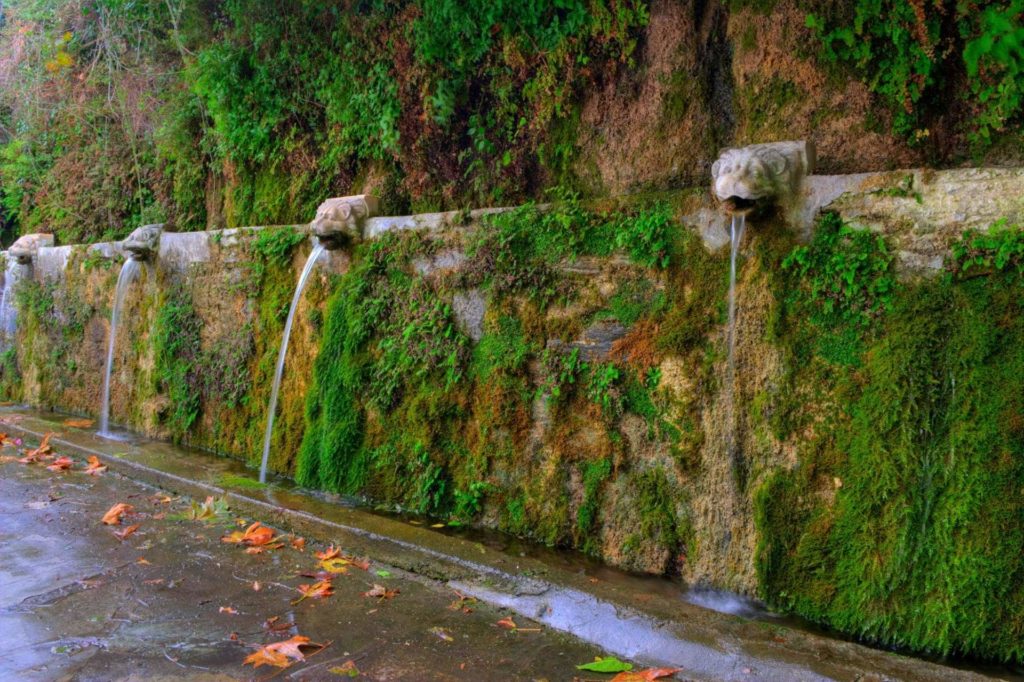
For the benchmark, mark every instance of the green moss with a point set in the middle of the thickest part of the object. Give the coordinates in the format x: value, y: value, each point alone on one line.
x: 228, y: 481
x: 921, y: 445
x: 594, y: 476
x: 654, y: 499
x: 177, y: 352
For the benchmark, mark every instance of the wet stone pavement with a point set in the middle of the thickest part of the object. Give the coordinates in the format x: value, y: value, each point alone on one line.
x: 172, y: 601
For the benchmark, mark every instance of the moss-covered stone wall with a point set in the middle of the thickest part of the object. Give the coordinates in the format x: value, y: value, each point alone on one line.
x: 561, y: 374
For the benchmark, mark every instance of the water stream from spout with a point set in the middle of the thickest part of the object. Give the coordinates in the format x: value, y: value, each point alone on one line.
x: 282, y: 353
x: 124, y: 280
x: 8, y: 314
x: 739, y: 223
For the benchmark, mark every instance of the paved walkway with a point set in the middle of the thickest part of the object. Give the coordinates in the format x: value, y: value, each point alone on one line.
x: 173, y: 601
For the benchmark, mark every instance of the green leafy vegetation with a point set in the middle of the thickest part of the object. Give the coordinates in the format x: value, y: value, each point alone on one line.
x: 911, y: 54
x: 233, y: 113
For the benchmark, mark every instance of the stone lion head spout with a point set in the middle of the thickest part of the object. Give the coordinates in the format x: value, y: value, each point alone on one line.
x: 340, y: 220
x: 761, y: 175
x: 25, y: 248
x: 143, y: 242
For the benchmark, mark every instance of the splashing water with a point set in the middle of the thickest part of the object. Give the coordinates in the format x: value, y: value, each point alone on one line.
x: 282, y: 353
x: 739, y: 223
x: 124, y: 279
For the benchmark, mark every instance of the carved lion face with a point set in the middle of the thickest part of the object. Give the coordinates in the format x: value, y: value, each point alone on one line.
x: 143, y: 241
x: 749, y: 174
x: 338, y: 220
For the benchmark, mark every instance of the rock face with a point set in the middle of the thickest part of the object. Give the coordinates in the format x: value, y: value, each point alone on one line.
x: 340, y: 220
x: 143, y: 242
x: 25, y: 248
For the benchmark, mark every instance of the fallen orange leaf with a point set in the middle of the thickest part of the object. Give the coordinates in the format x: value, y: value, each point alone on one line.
x: 265, y: 656
x: 329, y: 553
x: 227, y: 609
x: 123, y: 534
x: 113, y: 515
x: 318, y: 590
x: 95, y: 468
x: 507, y: 623
x: 645, y: 675
x: 299, y: 543
x: 254, y: 536
x: 277, y: 654
x: 142, y: 561
x: 78, y: 423
x: 61, y: 464
x: 44, y: 448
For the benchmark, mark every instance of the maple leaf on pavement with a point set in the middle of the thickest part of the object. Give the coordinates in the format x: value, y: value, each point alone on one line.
x: 255, y: 535
x: 113, y: 515
x: 318, y: 590
x: 279, y: 653
x: 329, y: 553
x: 123, y: 534
x: 61, y: 464
x: 95, y: 468
x: 44, y: 448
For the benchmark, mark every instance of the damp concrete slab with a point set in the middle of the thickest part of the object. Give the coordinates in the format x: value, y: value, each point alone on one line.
x: 172, y: 601
x: 644, y: 619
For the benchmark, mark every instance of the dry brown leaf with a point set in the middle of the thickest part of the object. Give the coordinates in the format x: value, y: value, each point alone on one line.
x: 507, y: 623
x: 95, y: 468
x: 346, y: 669
x: 123, y: 534
x: 142, y: 561
x: 381, y: 592
x: 113, y: 515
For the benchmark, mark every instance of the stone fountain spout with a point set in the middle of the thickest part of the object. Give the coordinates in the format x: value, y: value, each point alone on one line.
x: 760, y: 176
x: 143, y: 242
x: 25, y: 248
x: 340, y: 220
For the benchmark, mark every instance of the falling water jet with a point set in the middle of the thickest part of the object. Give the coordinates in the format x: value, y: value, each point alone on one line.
x: 753, y: 180
x: 737, y: 226
x: 282, y: 353
x: 128, y: 272
x: 140, y: 246
x: 8, y: 314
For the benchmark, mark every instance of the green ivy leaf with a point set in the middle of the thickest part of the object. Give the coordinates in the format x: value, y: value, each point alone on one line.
x: 606, y: 665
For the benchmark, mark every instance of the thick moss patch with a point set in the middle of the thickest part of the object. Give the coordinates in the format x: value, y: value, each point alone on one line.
x: 902, y: 522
